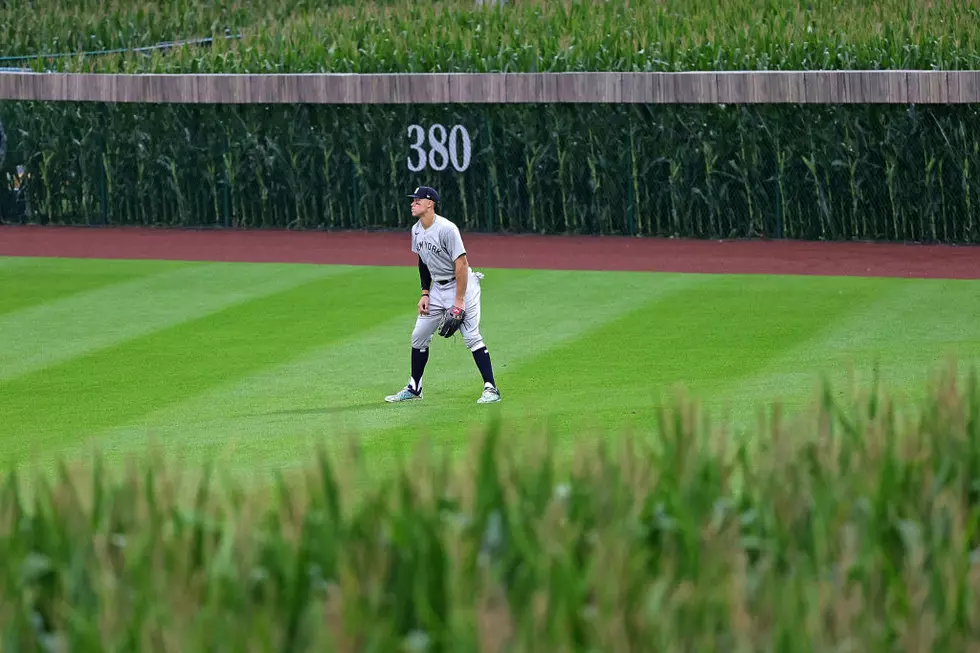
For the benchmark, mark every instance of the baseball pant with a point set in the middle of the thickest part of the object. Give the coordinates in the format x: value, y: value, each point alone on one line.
x: 441, y: 298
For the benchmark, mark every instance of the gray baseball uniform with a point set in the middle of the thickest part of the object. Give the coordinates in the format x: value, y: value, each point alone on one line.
x: 439, y: 246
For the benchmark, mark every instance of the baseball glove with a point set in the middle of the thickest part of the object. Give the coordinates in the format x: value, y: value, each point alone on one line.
x: 451, y: 322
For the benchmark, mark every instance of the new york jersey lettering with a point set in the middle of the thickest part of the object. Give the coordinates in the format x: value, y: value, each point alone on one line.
x: 439, y: 246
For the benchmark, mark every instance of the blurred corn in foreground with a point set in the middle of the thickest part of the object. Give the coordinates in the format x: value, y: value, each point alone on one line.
x: 850, y: 523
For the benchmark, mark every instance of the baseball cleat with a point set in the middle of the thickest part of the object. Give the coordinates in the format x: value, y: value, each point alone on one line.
x: 490, y: 395
x: 404, y: 395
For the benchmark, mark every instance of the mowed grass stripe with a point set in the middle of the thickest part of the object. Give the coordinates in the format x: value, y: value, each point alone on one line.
x: 11, y: 262
x: 83, y: 323
x: 53, y: 407
x: 717, y: 332
x: 276, y: 415
x: 908, y: 328
x: 589, y: 301
x: 31, y: 282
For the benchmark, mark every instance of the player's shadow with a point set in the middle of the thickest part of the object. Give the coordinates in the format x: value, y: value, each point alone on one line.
x: 323, y: 410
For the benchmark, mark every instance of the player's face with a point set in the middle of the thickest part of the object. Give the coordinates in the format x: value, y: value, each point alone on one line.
x: 420, y: 206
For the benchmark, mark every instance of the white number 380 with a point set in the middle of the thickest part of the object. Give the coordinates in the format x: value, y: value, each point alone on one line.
x: 443, y: 148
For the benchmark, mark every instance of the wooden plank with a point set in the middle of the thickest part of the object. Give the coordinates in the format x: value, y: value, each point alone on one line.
x: 599, y: 87
x: 734, y: 88
x: 433, y: 88
x: 927, y: 87
x: 529, y: 88
x: 933, y: 82
x: 896, y: 84
x: 850, y: 87
x: 260, y: 88
x: 305, y: 89
x: 822, y: 87
x: 172, y: 89
x: 953, y: 81
x: 870, y: 85
x: 912, y: 80
x: 345, y: 89
x: 967, y: 85
x: 565, y: 90
x: 693, y: 88
x: 476, y: 88
x: 522, y: 88
x: 403, y: 90
x: 644, y: 88
x: 549, y: 88
x: 789, y: 87
x: 79, y: 87
x: 57, y: 90
x: 636, y: 87
x: 376, y: 89
x: 222, y: 89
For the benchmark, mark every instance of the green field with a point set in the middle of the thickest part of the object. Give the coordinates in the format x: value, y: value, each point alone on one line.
x: 259, y: 363
x: 850, y: 526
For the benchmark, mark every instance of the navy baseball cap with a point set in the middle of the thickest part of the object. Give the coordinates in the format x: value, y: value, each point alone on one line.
x: 425, y: 193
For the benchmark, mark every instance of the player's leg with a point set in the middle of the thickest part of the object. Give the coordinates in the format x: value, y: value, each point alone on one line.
x: 474, y: 340
x: 425, y: 327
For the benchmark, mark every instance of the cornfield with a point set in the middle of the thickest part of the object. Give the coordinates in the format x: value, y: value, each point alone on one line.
x: 834, y: 172
x: 458, y: 35
x: 853, y: 526
x: 815, y: 172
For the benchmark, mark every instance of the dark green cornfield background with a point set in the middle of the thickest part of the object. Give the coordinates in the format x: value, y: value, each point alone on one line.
x: 834, y: 172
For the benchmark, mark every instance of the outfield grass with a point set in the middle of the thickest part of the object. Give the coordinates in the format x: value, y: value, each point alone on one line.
x: 257, y: 363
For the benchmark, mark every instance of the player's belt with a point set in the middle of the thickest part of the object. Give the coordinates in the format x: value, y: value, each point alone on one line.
x: 443, y: 282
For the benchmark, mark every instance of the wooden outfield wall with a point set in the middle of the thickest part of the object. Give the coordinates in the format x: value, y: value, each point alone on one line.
x: 736, y: 87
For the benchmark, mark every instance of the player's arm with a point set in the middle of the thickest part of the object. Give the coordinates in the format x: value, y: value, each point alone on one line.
x: 462, y: 278
x: 453, y: 242
x: 425, y: 277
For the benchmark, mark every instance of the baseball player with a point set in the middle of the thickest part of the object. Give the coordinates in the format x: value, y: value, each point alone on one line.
x: 450, y: 296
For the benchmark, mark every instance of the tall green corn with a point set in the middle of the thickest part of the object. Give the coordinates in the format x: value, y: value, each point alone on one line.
x: 825, y: 172
x: 459, y: 35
